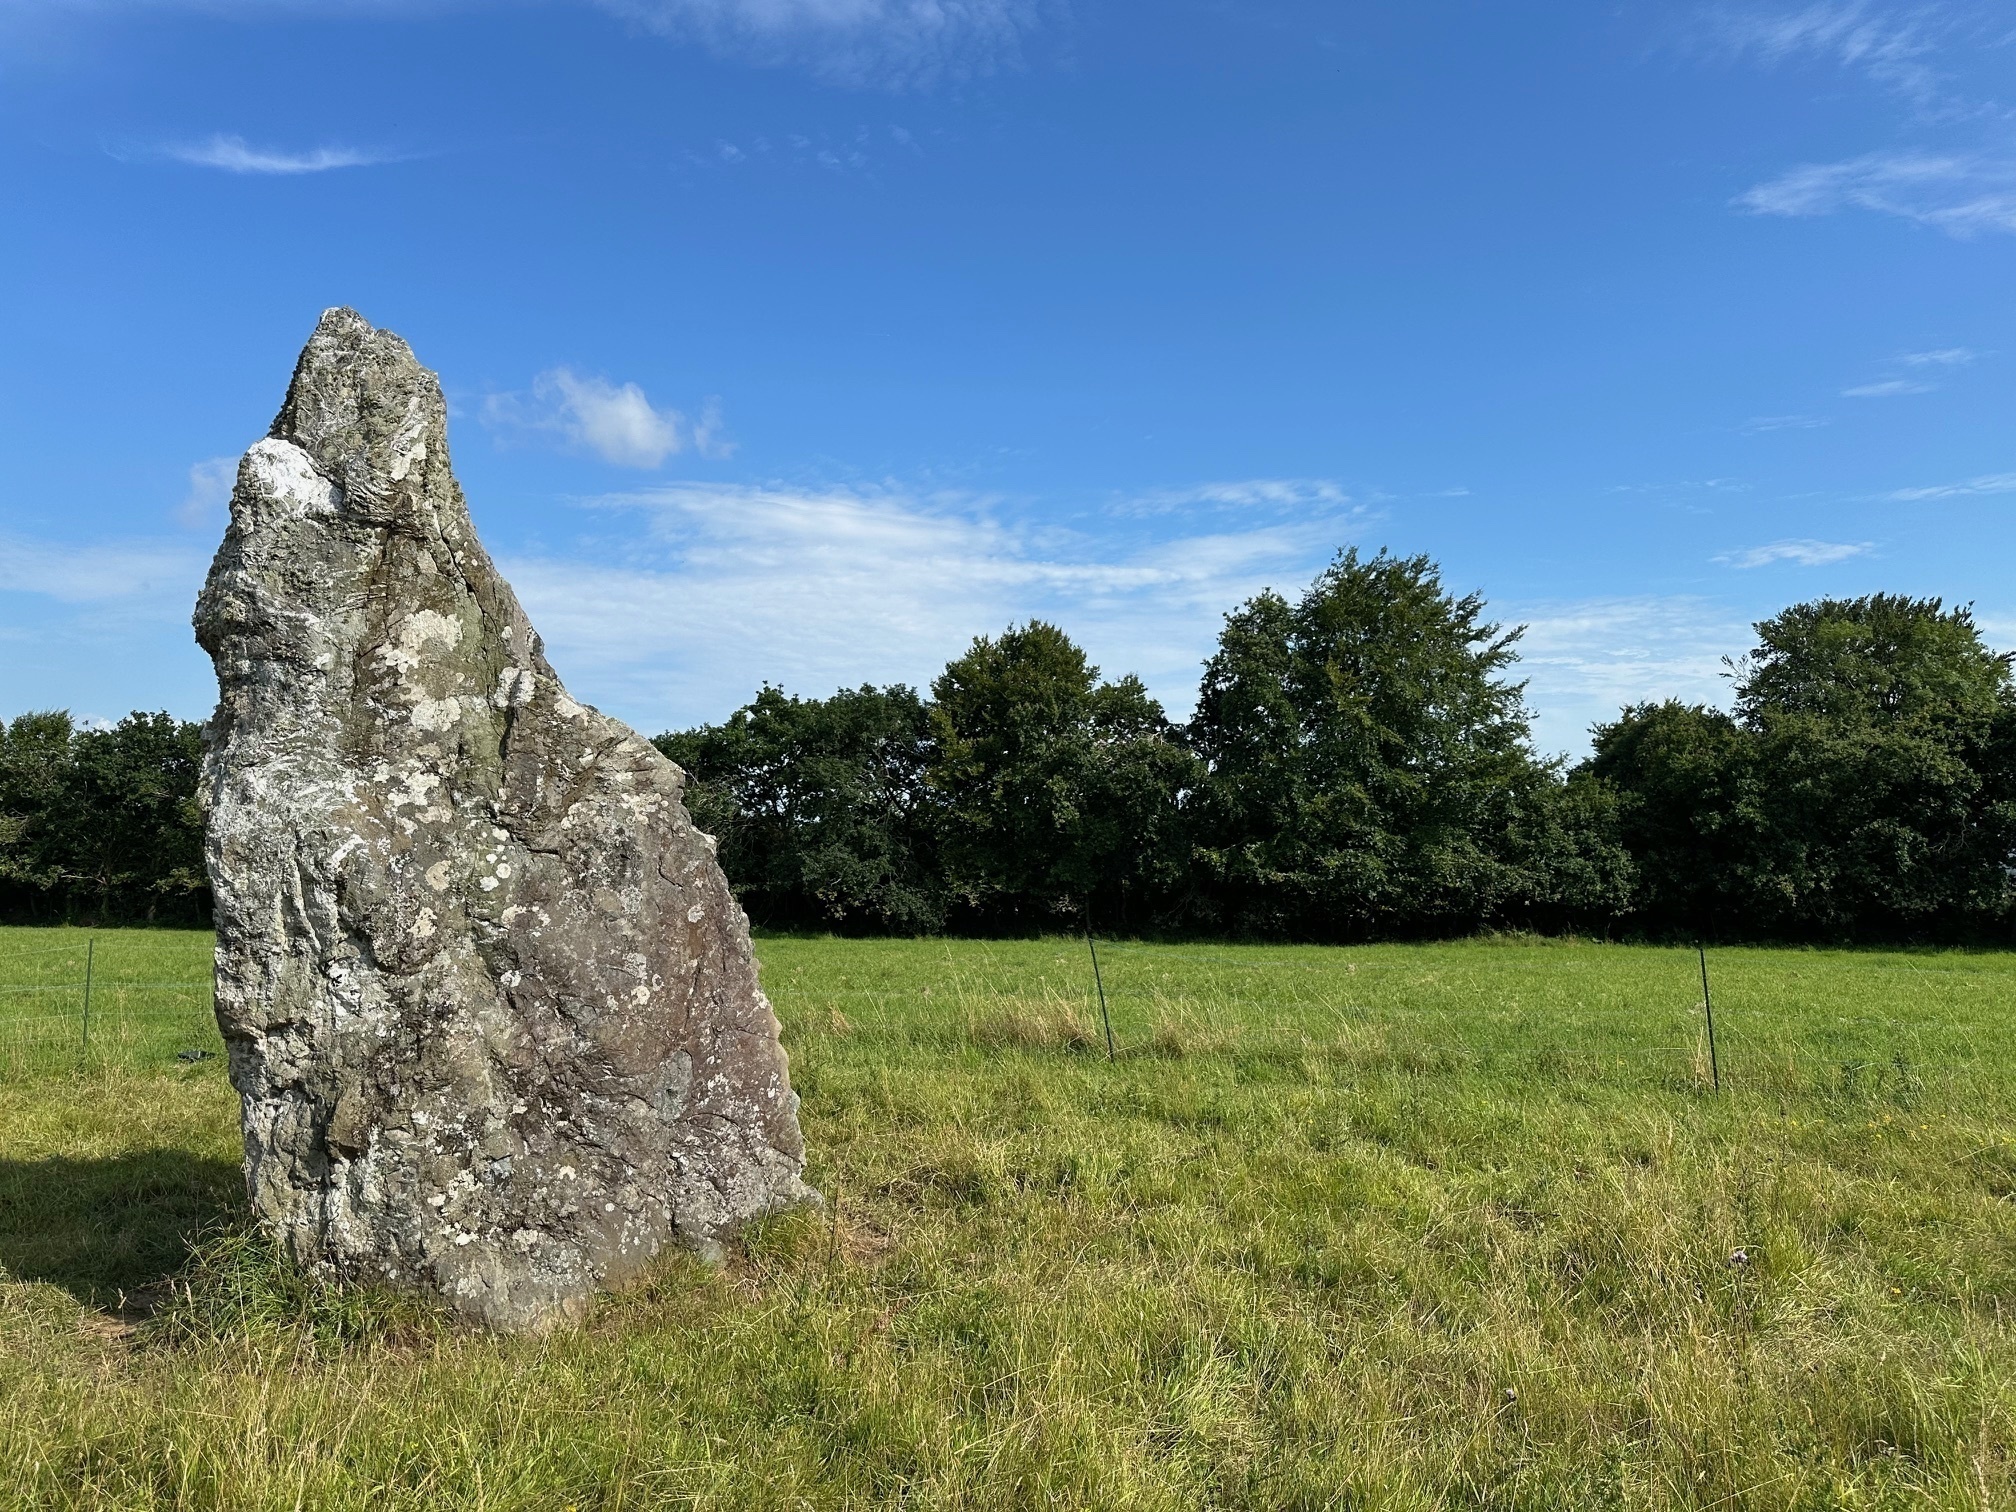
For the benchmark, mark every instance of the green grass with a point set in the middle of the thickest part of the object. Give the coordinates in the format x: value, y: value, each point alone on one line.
x: 1386, y: 1227
x: 149, y: 999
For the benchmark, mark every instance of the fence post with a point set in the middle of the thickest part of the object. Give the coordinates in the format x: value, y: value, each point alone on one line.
x: 90, y: 950
x: 1708, y: 1007
x: 1098, y: 981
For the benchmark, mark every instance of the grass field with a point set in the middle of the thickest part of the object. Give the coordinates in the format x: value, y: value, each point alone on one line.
x: 1386, y: 1227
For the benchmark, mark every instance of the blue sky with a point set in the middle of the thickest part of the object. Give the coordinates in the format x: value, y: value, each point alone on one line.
x: 802, y: 340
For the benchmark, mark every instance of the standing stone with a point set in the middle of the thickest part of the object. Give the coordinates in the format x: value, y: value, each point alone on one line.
x: 490, y: 1005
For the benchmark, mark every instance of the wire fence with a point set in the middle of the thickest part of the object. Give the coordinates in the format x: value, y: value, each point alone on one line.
x: 1887, y: 1031
x: 1858, y: 1032
x: 97, y: 1002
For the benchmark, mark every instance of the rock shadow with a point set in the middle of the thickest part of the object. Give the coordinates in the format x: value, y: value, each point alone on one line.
x: 110, y: 1230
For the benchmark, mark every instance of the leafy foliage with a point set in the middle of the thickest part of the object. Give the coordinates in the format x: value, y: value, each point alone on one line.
x: 101, y: 824
x: 1358, y: 766
x: 1683, y: 780
x: 1370, y: 770
x: 1862, y: 790
x: 819, y: 807
x: 1057, y: 788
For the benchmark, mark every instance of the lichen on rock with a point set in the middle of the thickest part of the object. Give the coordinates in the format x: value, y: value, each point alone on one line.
x: 491, y: 1007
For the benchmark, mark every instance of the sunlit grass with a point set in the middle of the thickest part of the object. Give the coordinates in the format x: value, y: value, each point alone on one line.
x: 1397, y: 1226
x: 148, y: 999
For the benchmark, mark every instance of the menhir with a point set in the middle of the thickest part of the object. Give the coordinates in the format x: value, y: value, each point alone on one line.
x: 490, y: 1005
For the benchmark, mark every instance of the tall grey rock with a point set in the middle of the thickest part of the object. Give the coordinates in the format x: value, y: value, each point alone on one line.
x: 491, y: 1008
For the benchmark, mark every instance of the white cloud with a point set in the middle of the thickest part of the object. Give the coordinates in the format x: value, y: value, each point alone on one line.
x: 1958, y: 194
x: 1243, y: 494
x: 814, y: 589
x: 616, y: 422
x: 1761, y: 423
x: 888, y: 42
x: 234, y: 155
x: 1585, y: 660
x: 1854, y: 35
x: 1993, y: 483
x: 210, y: 484
x: 709, y: 433
x: 1943, y: 357
x: 1888, y: 388
x: 136, y: 572
x: 1803, y: 553
x: 1719, y: 485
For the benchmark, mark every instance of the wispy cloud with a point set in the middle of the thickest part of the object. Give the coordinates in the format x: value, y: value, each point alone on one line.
x: 1248, y: 494
x: 876, y: 42
x: 1943, y: 357
x: 1961, y: 195
x: 210, y: 484
x: 1891, y: 388
x: 1584, y: 660
x: 1992, y: 483
x: 1888, y: 48
x: 1888, y: 388
x: 856, y: 152
x: 141, y: 572
x: 1801, y: 553
x: 234, y: 154
x: 814, y: 588
x: 614, y: 421
x: 1762, y: 423
x: 1685, y: 485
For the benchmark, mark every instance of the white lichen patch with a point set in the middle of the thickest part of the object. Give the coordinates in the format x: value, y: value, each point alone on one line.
x: 284, y: 476
x: 408, y: 647
x: 516, y: 687
x: 436, y: 713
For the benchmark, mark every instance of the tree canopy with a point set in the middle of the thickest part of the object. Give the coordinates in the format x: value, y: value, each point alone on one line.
x: 1861, y: 789
x: 1369, y: 763
x: 1358, y: 765
x: 101, y: 824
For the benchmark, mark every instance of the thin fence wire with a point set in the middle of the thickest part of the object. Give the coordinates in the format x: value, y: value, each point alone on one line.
x: 141, y: 1019
x: 1258, y: 1011
x: 1298, y: 1015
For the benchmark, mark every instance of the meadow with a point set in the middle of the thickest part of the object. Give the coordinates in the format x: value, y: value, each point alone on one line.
x: 1396, y: 1226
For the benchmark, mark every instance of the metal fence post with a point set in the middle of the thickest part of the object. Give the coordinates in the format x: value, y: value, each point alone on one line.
x: 1708, y: 1007
x: 1098, y: 981
x: 90, y: 950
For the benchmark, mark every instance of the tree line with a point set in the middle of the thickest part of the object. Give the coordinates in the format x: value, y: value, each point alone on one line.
x: 1359, y: 765
x: 101, y: 825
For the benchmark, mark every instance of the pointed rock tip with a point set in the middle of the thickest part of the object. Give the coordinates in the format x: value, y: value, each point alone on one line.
x: 355, y: 388
x: 344, y: 337
x: 339, y: 319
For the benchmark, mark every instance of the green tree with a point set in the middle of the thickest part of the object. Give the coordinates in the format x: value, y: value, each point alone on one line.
x: 820, y: 807
x: 1370, y: 770
x: 35, y: 818
x: 1885, y: 660
x: 138, y: 852
x: 1861, y: 791
x: 102, y: 824
x: 1877, y: 721
x: 1688, y: 812
x: 1057, y: 789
